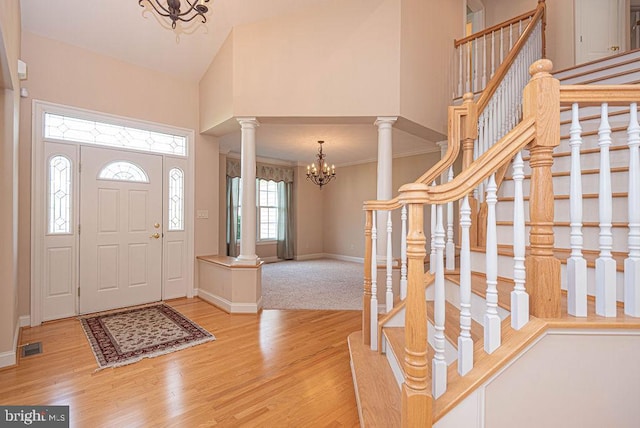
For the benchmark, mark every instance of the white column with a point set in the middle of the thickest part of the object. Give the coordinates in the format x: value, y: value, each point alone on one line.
x: 248, y: 209
x: 385, y: 170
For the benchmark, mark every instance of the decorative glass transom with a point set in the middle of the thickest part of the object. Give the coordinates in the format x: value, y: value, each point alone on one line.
x: 123, y: 171
x: 176, y: 199
x: 106, y: 134
x: 59, y: 195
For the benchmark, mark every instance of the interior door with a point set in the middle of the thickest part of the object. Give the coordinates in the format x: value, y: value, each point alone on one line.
x: 120, y: 229
x: 599, y: 29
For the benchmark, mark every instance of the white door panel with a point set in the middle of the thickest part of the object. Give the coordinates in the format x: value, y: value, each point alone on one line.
x: 598, y: 29
x: 59, y: 276
x: 121, y: 259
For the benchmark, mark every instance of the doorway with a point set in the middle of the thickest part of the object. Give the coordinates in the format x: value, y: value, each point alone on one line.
x: 600, y: 29
x: 112, y: 210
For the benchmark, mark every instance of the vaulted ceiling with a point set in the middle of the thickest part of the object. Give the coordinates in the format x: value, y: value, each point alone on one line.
x: 118, y: 29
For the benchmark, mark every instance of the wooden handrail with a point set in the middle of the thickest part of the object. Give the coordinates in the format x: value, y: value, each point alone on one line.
x: 592, y: 95
x: 493, y: 28
x: 502, y: 70
x: 499, y: 154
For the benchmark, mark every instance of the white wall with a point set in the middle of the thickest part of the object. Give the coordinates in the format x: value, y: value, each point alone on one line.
x: 569, y: 378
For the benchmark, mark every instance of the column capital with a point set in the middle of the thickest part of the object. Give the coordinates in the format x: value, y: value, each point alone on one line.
x: 382, y: 121
x: 248, y: 122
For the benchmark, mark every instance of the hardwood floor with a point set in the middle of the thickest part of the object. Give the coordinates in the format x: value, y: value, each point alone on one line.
x: 275, y: 369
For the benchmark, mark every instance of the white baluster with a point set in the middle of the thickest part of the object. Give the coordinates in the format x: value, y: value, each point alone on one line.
x: 468, y: 67
x: 439, y: 364
x: 576, y: 264
x: 632, y: 262
x: 519, y: 296
x: 403, y: 254
x: 465, y: 342
x: 389, y: 294
x: 492, y: 327
x: 432, y: 255
x: 510, y: 36
x: 605, y: 264
x: 461, y: 68
x: 493, y: 53
x: 450, y: 249
x: 475, y: 67
x: 484, y: 62
x: 501, y: 46
x: 374, y: 284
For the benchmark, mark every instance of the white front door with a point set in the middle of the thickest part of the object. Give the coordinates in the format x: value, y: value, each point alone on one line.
x: 121, y: 229
x: 599, y: 29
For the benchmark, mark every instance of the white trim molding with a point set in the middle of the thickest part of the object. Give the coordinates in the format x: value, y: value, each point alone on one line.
x: 228, y: 306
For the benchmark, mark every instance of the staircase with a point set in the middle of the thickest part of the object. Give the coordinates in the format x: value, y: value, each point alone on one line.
x: 546, y: 248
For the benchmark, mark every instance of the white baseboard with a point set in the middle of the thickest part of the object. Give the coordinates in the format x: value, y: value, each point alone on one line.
x: 8, y: 358
x: 24, y: 320
x: 344, y: 258
x: 227, y: 306
x: 271, y: 259
x: 310, y: 256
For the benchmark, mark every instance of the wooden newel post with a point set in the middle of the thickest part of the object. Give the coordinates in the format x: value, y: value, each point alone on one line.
x: 542, y: 101
x: 469, y: 135
x: 366, y: 296
x: 417, y: 400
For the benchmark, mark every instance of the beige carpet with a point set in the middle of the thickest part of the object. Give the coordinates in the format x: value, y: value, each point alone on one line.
x: 312, y: 284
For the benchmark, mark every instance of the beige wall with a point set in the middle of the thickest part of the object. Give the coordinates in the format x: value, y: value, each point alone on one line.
x: 426, y: 51
x: 343, y: 215
x: 560, y: 25
x: 72, y: 76
x: 216, y: 88
x: 309, y: 214
x: 9, y: 134
x: 336, y: 58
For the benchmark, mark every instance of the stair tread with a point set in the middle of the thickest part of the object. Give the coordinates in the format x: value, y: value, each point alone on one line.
x: 563, y: 254
x: 568, y: 173
x: 376, y: 387
x: 479, y: 287
x: 396, y: 344
x: 452, y: 323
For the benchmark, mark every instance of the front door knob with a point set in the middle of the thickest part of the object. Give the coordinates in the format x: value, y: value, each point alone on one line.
x: 155, y: 235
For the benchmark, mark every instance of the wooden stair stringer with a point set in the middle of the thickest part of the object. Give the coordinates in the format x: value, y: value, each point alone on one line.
x: 375, y: 386
x: 486, y: 365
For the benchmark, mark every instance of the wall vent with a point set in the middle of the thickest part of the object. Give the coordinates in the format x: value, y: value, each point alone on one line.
x: 31, y: 349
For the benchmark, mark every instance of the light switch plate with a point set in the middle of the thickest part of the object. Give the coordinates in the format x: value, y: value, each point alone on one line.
x: 202, y: 214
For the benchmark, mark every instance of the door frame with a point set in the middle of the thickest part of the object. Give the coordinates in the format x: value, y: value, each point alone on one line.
x: 39, y: 188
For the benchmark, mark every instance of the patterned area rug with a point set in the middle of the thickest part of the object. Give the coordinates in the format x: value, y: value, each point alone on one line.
x: 124, y: 337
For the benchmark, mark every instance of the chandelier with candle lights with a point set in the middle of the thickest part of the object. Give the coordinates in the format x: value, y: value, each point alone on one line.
x: 172, y: 9
x: 320, y: 172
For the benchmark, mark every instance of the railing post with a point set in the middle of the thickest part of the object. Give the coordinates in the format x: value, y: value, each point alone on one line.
x: 417, y: 401
x: 366, y: 297
x: 542, y: 101
x: 469, y: 135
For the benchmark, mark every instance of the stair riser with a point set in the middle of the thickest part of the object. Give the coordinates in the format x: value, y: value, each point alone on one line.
x: 595, y: 66
x: 478, y: 304
x: 618, y: 158
x: 561, y: 185
x: 504, y: 210
x: 591, y: 282
x: 590, y: 236
x: 505, y: 269
x: 604, y: 73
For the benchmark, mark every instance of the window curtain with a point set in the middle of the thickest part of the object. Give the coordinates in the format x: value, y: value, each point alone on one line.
x: 233, y: 198
x: 286, y: 233
x: 284, y: 177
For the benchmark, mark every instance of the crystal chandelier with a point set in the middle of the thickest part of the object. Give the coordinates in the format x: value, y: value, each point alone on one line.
x: 172, y: 9
x: 319, y: 172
